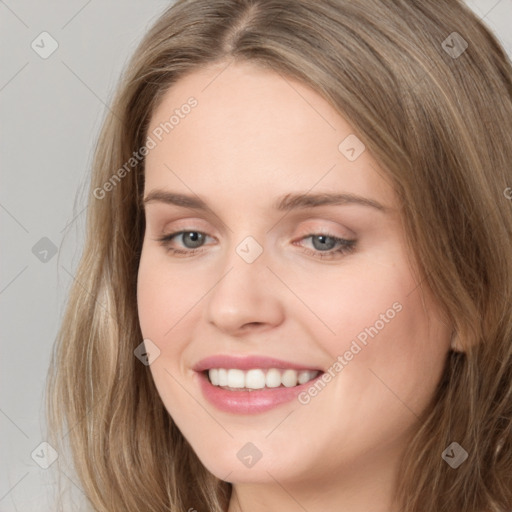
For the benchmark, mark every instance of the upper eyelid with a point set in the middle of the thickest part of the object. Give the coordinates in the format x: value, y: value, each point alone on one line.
x: 189, y: 226
x: 296, y: 218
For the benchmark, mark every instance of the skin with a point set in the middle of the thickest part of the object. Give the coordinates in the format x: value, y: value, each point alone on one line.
x: 255, y: 136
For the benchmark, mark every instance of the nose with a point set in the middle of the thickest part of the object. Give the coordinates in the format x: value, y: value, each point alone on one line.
x: 246, y: 295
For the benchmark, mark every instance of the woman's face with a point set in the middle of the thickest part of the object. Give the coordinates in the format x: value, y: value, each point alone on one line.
x: 253, y: 278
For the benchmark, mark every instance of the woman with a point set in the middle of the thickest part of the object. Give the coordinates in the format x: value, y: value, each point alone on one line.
x: 296, y: 287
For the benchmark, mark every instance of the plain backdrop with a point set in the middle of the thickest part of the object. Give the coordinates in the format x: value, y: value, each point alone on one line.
x: 51, y: 110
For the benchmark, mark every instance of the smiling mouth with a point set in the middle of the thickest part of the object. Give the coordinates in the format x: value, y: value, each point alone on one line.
x: 234, y: 379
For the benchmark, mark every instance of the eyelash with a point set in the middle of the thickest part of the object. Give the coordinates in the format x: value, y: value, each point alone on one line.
x: 346, y: 246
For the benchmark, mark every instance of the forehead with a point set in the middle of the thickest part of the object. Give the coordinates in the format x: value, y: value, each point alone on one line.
x: 254, y: 130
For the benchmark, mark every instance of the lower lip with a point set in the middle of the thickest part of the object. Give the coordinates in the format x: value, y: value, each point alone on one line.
x: 250, y: 402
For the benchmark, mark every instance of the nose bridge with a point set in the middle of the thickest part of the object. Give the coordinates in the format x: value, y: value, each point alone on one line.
x: 242, y: 294
x: 250, y: 250
x: 244, y: 270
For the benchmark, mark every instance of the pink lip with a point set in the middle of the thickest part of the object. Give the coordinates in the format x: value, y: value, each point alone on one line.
x: 247, y: 363
x: 249, y: 402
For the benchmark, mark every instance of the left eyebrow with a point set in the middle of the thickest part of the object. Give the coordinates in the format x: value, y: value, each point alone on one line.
x: 304, y: 201
x: 288, y: 202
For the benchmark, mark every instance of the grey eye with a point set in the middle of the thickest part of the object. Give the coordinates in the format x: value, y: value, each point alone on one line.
x: 323, y: 244
x: 196, y: 239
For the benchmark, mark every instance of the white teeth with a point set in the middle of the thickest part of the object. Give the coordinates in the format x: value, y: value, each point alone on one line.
x: 273, y: 378
x: 236, y: 378
x: 289, y: 378
x: 223, y: 377
x: 255, y: 379
x: 258, y: 379
x: 214, y: 376
x: 306, y: 376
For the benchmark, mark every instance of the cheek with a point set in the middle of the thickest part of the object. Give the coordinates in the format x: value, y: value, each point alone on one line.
x: 391, y: 340
x: 166, y: 299
x: 151, y: 296
x: 162, y: 299
x: 360, y: 302
x: 399, y: 355
x: 161, y: 304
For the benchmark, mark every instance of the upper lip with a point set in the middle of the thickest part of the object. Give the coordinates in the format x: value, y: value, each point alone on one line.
x: 247, y: 363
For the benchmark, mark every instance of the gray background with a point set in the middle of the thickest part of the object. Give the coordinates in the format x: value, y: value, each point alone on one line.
x: 51, y: 113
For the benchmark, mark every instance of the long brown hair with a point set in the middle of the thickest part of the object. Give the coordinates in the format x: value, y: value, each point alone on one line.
x: 428, y: 89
